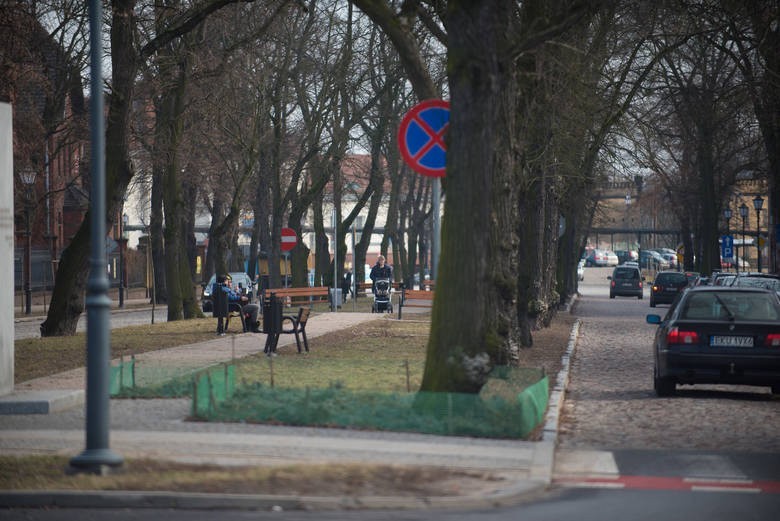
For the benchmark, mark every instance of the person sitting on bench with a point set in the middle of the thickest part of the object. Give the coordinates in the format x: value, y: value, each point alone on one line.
x: 247, y: 310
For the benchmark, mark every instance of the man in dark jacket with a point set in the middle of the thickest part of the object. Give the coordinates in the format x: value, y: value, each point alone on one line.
x: 380, y: 271
x: 249, y: 310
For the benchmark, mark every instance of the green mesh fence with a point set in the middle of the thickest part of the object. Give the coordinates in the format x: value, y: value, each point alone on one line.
x: 211, y: 388
x: 499, y: 411
x: 122, y: 376
x: 133, y: 379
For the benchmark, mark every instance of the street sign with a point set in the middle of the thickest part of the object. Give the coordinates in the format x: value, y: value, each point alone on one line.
x: 727, y: 247
x: 289, y: 239
x: 421, y: 137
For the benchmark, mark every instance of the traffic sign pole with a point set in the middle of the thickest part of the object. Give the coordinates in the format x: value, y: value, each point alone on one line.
x: 421, y: 140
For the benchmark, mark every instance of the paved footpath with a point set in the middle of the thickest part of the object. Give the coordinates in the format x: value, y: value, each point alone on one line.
x: 157, y: 429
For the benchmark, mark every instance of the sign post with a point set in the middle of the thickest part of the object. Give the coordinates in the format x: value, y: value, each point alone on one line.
x: 289, y: 240
x: 421, y: 140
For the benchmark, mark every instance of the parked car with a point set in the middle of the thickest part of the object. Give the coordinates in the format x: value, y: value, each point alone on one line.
x: 670, y: 258
x: 666, y: 286
x: 651, y: 259
x: 694, y: 277
x: 241, y: 283
x: 721, y: 278
x: 626, y: 281
x: 601, y: 258
x: 718, y: 335
x: 626, y: 256
x: 738, y: 263
x: 581, y: 270
x: 757, y: 280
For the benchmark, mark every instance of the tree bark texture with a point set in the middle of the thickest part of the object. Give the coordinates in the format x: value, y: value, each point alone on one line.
x: 473, y: 308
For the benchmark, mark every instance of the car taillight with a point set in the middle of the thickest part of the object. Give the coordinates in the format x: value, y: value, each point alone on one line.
x: 675, y: 336
x: 657, y: 288
x: 640, y: 285
x: 772, y: 340
x: 612, y: 284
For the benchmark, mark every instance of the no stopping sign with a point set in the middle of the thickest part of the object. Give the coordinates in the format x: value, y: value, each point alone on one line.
x: 421, y: 137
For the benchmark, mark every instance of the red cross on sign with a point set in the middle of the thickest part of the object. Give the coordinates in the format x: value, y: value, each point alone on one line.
x: 421, y: 137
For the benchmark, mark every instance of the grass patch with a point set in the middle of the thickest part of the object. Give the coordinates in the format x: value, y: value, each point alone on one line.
x: 48, y: 473
x: 36, y: 357
x: 374, y: 356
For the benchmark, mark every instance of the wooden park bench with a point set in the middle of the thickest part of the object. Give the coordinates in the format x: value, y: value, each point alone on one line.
x: 291, y: 295
x: 298, y: 326
x: 422, y: 299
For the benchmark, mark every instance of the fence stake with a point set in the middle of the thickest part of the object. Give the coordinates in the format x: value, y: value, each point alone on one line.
x: 132, y: 371
x: 271, y: 366
x: 408, y: 382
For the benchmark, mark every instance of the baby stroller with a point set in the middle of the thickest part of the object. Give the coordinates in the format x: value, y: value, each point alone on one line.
x: 382, y: 303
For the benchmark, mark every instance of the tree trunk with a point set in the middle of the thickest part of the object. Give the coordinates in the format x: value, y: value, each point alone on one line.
x: 68, y: 299
x: 470, y: 335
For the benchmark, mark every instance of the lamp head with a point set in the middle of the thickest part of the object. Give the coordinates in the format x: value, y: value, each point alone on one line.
x: 743, y: 210
x: 758, y: 203
x: 28, y: 176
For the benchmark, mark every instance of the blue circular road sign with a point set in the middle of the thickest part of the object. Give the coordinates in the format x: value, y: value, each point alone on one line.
x: 421, y: 137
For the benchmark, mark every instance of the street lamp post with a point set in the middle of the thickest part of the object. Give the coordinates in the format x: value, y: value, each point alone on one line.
x: 628, y: 220
x: 758, y: 203
x: 727, y: 215
x: 122, y: 268
x: 28, y: 179
x: 743, y: 212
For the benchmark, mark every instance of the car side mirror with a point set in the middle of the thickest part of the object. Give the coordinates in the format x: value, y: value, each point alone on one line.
x: 653, y: 319
x: 609, y: 277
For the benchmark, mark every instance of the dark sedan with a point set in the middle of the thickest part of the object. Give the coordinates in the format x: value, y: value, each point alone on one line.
x: 714, y: 334
x: 666, y: 286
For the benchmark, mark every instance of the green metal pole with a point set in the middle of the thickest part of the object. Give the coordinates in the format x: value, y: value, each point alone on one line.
x: 97, y: 456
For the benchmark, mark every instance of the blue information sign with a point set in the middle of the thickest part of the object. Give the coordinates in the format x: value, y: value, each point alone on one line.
x: 727, y: 247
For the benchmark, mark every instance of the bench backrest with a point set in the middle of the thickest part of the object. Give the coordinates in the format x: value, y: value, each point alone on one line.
x: 315, y: 291
x: 420, y: 294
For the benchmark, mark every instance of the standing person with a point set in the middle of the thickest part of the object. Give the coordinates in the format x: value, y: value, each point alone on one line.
x: 380, y: 271
x: 346, y: 284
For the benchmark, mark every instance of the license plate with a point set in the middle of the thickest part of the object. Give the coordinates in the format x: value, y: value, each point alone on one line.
x: 731, y: 341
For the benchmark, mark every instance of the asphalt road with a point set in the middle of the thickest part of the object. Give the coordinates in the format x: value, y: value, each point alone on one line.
x: 29, y: 327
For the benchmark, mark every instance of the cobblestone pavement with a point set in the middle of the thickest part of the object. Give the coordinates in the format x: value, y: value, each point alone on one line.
x: 610, y: 403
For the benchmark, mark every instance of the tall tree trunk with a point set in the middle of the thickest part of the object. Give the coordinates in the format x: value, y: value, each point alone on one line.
x: 477, y: 230
x: 67, y: 302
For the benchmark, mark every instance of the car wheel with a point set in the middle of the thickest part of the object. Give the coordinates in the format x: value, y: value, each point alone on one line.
x: 652, y: 302
x: 664, y: 386
x: 611, y: 295
x: 640, y: 297
x: 776, y: 389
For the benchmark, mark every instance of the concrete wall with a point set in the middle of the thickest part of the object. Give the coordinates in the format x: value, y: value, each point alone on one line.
x: 6, y: 251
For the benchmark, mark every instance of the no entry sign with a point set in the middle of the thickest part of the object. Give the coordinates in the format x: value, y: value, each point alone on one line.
x: 289, y: 239
x: 421, y: 137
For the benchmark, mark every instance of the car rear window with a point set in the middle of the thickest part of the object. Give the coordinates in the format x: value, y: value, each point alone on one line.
x: 717, y: 306
x: 672, y: 279
x: 758, y: 282
x: 625, y: 273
